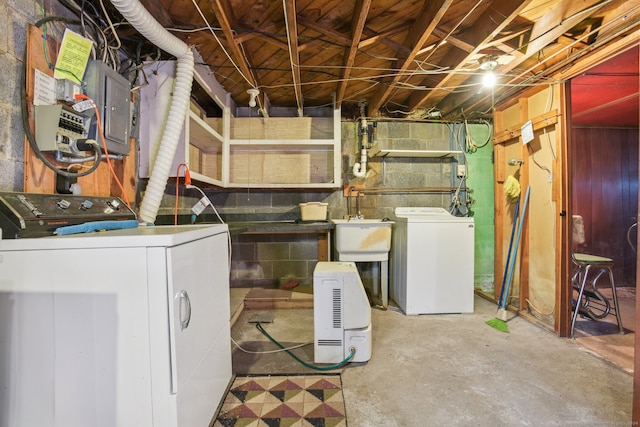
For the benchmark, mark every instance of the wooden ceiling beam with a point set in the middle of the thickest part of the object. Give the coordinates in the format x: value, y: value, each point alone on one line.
x: 360, y: 12
x: 383, y: 37
x: 294, y: 54
x: 372, y: 36
x: 455, y: 41
x: 332, y: 34
x: 273, y: 41
x: 224, y: 15
x: 507, y: 44
x: 158, y: 11
x: 557, y: 21
x: 427, y: 21
x: 483, y: 31
x: 619, y: 8
x: 244, y: 35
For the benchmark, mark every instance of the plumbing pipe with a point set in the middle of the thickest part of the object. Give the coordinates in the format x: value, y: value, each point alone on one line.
x: 360, y: 168
x: 146, y: 25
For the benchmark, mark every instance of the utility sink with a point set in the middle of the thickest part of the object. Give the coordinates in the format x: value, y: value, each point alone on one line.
x: 362, y: 239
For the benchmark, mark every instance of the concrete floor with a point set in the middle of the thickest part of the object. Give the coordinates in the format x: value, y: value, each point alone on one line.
x: 452, y: 370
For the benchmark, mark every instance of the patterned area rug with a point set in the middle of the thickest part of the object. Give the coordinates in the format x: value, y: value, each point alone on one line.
x: 284, y: 401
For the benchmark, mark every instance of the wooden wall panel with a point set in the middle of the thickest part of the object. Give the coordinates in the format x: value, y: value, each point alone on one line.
x: 40, y: 179
x: 605, y: 193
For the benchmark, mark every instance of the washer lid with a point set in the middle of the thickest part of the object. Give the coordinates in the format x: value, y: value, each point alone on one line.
x: 421, y: 211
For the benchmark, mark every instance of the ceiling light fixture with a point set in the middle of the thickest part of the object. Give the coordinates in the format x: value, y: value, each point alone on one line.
x: 489, y: 79
x: 253, y: 93
x: 488, y: 63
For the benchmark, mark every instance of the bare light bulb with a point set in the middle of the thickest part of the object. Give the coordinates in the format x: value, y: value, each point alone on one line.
x: 489, y: 79
x: 253, y: 93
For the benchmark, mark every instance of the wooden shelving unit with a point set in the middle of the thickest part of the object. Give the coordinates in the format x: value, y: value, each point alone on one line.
x: 241, y: 152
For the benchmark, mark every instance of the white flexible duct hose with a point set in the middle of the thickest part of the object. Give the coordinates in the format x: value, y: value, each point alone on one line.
x: 146, y: 24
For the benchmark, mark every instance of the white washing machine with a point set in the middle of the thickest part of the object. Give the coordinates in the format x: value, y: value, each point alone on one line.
x: 432, y: 261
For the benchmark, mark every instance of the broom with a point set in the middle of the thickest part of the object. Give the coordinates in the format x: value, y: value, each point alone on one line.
x: 500, y: 321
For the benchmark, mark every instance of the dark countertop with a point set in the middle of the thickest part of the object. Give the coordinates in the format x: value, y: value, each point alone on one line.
x: 256, y: 223
x: 246, y: 227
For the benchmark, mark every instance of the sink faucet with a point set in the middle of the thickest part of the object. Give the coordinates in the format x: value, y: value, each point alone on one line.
x: 358, y: 213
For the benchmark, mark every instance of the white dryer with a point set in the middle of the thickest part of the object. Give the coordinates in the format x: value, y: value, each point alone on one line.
x: 432, y: 261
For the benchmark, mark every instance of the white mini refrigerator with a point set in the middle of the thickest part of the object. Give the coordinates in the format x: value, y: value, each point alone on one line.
x: 432, y: 262
x: 117, y: 328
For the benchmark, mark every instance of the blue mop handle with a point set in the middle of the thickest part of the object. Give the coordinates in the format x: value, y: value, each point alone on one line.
x: 502, y: 304
x: 515, y: 250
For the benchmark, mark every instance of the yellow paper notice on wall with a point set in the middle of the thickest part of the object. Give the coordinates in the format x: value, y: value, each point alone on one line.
x: 73, y: 57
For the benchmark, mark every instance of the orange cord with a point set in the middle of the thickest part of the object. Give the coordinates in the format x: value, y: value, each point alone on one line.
x: 187, y: 181
x: 104, y: 145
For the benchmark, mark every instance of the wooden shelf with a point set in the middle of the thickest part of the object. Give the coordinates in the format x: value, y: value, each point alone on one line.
x: 202, y: 135
x: 241, y: 152
x: 300, y: 143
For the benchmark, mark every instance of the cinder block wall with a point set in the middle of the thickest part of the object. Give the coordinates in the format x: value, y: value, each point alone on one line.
x: 16, y: 16
x: 273, y: 260
x: 13, y: 27
x: 402, y: 172
x: 270, y: 261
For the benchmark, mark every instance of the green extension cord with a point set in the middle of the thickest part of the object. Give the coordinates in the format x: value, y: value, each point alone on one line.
x: 352, y: 352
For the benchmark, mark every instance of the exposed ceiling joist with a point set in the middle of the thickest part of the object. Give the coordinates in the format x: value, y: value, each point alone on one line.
x: 558, y: 52
x: 294, y: 55
x: 404, y: 59
x: 421, y: 30
x: 360, y: 12
x: 224, y: 16
x: 486, y: 28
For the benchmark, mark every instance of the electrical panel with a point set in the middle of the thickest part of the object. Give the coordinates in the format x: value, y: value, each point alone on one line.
x: 58, y: 127
x: 111, y: 93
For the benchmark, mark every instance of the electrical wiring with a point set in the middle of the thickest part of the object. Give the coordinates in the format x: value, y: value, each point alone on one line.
x: 195, y: 4
x: 470, y: 143
x: 207, y: 200
x: 104, y: 147
x: 46, y: 51
x: 25, y: 112
x: 280, y: 350
x: 95, y: 26
x: 189, y: 185
x: 456, y: 202
x: 296, y: 84
x: 444, y: 39
x: 113, y: 30
x: 561, y: 22
x: 191, y: 30
x: 571, y: 58
x: 187, y: 181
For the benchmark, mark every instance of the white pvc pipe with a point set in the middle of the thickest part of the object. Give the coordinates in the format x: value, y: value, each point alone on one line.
x: 146, y: 24
x: 360, y: 169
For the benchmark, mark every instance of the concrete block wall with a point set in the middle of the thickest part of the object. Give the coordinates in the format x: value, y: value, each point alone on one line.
x: 401, y: 172
x: 272, y: 260
x: 14, y: 17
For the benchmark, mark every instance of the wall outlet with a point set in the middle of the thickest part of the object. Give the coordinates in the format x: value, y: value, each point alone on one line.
x: 462, y: 171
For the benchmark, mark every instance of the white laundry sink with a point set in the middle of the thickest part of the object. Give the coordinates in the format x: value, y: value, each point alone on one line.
x: 362, y: 239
